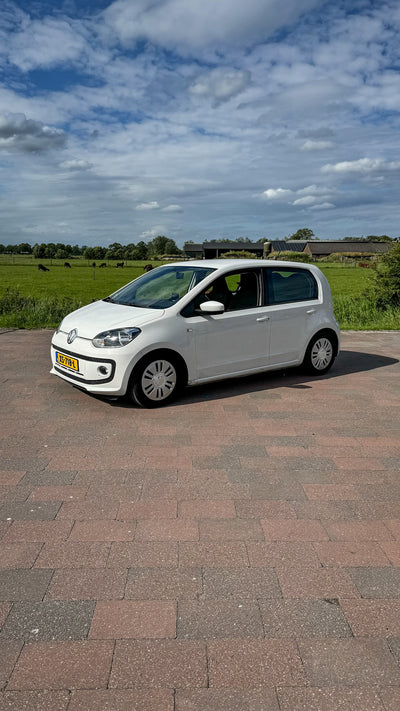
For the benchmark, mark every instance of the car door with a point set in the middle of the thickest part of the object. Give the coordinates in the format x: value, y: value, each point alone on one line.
x: 293, y: 300
x: 236, y: 340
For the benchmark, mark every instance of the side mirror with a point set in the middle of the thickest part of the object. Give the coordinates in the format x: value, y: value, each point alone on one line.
x: 212, y: 307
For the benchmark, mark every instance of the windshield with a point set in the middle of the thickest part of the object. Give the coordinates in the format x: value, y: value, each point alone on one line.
x: 161, y: 287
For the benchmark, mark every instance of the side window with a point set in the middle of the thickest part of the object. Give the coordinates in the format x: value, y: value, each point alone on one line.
x: 289, y: 285
x: 235, y: 291
x: 245, y: 295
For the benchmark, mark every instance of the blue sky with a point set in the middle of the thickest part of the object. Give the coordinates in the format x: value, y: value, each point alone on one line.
x: 198, y: 119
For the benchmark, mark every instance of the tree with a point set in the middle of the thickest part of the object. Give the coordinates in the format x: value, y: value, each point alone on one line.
x: 142, y: 250
x: 375, y: 238
x: 99, y: 252
x: 50, y: 250
x: 89, y: 253
x: 24, y: 248
x: 115, y: 251
x: 39, y: 250
x: 386, y: 287
x: 162, y: 245
x: 303, y: 234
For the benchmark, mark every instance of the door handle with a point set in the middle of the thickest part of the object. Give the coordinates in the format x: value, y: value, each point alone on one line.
x: 262, y: 318
x: 311, y: 311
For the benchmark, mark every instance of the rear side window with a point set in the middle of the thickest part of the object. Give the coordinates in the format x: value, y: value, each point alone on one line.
x: 289, y: 285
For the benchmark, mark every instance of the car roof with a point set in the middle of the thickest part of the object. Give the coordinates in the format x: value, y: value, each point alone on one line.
x: 227, y: 264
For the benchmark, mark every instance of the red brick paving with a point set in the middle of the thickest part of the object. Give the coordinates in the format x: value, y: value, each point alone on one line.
x: 239, y: 550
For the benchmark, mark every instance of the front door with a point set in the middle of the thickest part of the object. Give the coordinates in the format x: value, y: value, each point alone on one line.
x: 237, y: 340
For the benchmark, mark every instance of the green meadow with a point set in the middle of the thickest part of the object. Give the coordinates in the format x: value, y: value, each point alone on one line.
x: 30, y: 298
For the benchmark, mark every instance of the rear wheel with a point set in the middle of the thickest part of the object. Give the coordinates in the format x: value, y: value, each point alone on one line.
x: 320, y: 354
x: 156, y: 380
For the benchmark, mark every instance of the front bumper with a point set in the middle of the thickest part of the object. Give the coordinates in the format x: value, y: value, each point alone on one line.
x: 104, y: 375
x: 92, y: 371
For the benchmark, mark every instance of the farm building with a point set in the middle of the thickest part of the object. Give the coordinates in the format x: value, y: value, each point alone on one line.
x: 323, y: 248
x: 315, y: 248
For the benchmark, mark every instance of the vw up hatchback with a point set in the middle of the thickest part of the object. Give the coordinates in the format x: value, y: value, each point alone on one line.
x: 198, y: 321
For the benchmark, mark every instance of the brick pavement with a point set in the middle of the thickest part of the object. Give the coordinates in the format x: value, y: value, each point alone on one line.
x: 239, y: 550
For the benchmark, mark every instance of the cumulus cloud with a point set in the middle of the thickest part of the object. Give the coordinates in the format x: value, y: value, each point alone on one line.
x: 311, y: 197
x: 148, y: 206
x: 363, y: 166
x: 307, y: 200
x: 277, y: 193
x: 221, y: 84
x: 201, y: 23
x: 323, y: 206
x: 172, y: 208
x: 46, y: 43
x: 19, y: 134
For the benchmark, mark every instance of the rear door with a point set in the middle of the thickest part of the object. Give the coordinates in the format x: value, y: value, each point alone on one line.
x: 293, y: 297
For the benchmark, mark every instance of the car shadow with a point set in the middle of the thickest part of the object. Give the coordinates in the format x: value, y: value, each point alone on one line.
x: 348, y: 362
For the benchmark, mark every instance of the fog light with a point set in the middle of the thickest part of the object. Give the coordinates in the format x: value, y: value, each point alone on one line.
x: 102, y: 370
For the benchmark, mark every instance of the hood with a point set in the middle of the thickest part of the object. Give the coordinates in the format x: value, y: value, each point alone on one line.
x: 104, y: 316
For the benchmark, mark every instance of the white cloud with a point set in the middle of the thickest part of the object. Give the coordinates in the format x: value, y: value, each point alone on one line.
x: 312, y: 190
x: 221, y: 84
x: 277, y: 193
x: 148, y: 206
x: 172, y: 208
x: 308, y: 200
x: 323, y: 206
x: 363, y: 166
x: 46, y: 43
x: 201, y: 23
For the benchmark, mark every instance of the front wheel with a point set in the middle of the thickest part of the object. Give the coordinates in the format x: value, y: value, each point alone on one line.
x: 155, y: 381
x: 320, y: 354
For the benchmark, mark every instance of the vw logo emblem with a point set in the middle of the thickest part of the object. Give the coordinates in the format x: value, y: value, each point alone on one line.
x: 72, y: 335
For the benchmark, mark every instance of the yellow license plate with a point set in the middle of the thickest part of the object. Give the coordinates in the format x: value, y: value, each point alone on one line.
x: 67, y: 361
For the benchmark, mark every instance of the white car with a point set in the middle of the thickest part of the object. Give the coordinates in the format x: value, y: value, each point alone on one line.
x: 198, y: 321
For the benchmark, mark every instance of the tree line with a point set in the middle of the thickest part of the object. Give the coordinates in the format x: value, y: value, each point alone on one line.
x: 159, y: 246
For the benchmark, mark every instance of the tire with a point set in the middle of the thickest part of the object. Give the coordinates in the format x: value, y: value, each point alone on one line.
x: 320, y: 354
x: 156, y: 380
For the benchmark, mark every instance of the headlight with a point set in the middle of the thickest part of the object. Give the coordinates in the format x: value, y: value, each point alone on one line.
x: 58, y: 329
x: 115, y: 338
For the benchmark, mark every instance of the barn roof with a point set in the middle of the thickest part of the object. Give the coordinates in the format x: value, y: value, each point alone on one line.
x: 319, y: 247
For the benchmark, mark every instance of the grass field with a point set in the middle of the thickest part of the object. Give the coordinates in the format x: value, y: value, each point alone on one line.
x: 81, y: 282
x: 37, y: 299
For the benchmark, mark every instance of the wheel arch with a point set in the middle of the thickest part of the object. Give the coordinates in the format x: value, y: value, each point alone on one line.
x: 324, y: 364
x: 162, y: 353
x: 327, y: 331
